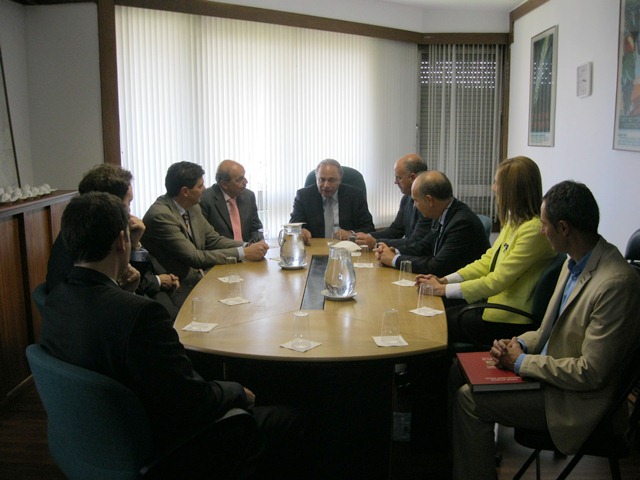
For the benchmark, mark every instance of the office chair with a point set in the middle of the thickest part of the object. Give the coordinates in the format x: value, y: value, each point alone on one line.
x: 487, y: 223
x: 97, y: 428
x: 541, y: 296
x: 603, y: 441
x: 632, y: 253
x: 350, y: 176
x: 39, y: 296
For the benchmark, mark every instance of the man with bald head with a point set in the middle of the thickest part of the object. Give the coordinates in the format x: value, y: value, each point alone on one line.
x: 229, y: 197
x: 456, y: 236
x: 405, y: 170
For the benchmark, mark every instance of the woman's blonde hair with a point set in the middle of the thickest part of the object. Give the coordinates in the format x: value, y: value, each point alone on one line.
x: 518, y: 190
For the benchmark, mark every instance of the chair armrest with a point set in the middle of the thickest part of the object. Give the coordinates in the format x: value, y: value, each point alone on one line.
x: 484, y: 305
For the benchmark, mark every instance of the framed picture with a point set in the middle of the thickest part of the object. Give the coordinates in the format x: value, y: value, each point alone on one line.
x: 542, y: 95
x: 626, y: 133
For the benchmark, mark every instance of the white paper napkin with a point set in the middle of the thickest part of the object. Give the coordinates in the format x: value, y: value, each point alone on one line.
x: 291, y: 347
x: 363, y: 265
x: 347, y: 245
x: 401, y: 342
x: 234, y: 301
x: 405, y: 283
x: 200, y: 327
x: 226, y: 279
x: 426, y: 311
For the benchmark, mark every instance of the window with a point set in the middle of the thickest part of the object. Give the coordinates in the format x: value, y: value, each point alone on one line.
x: 460, y: 108
x: 276, y: 99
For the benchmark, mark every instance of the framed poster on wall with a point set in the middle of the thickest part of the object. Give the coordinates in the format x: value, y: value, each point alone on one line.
x: 626, y: 133
x: 542, y: 94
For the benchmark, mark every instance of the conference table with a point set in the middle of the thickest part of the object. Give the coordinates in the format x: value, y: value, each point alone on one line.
x: 348, y: 380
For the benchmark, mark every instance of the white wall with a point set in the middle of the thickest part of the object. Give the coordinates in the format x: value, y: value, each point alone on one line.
x: 584, y: 126
x: 53, y: 86
x: 14, y: 57
x: 389, y: 14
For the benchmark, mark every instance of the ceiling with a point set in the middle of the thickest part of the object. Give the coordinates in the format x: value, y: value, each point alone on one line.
x: 502, y: 6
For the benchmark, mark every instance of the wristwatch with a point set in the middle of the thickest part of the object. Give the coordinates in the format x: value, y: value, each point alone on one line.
x: 352, y: 237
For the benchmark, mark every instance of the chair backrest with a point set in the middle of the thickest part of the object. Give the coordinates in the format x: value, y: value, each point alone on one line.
x: 545, y: 287
x: 632, y: 253
x: 350, y: 176
x: 39, y: 297
x: 633, y: 247
x: 487, y: 223
x: 97, y: 427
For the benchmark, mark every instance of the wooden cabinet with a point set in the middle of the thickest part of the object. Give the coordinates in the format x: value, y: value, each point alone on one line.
x: 27, y: 231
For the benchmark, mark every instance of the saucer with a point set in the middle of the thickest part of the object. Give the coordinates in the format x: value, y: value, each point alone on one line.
x: 287, y: 267
x: 338, y: 299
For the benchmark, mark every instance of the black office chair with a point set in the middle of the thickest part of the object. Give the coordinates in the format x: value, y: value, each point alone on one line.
x: 632, y: 253
x: 602, y: 442
x: 541, y: 296
x: 350, y: 176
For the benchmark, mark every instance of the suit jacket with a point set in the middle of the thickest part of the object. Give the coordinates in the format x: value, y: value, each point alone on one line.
x: 60, y: 265
x: 589, y: 344
x: 402, y: 227
x: 460, y: 241
x: 167, y: 239
x: 352, y: 204
x: 215, y: 210
x: 92, y: 323
x: 522, y: 253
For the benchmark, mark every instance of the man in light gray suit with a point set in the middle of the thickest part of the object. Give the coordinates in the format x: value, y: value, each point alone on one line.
x: 217, y: 204
x: 590, y: 329
x: 179, y: 236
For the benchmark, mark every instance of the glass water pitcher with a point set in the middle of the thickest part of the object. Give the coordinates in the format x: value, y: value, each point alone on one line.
x: 292, y: 250
x: 340, y: 276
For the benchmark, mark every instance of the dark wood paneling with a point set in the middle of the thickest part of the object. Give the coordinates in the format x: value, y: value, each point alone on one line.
x: 13, y: 325
x: 38, y: 241
x: 27, y: 231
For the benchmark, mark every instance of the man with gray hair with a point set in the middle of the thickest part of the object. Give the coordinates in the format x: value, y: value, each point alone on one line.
x: 331, y: 206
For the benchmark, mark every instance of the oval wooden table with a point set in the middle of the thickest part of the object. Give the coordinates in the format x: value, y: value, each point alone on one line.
x: 346, y: 383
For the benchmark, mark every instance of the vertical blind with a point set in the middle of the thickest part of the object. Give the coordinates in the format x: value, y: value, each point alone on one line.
x: 276, y: 99
x: 460, y: 105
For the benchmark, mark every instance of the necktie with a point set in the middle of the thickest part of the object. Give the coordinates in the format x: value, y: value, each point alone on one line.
x: 187, y: 222
x: 328, y: 217
x: 436, y: 243
x: 235, y: 219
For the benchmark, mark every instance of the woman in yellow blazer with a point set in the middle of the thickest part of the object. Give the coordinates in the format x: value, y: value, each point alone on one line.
x: 509, y: 271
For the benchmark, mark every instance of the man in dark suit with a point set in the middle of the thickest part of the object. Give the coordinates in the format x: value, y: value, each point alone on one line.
x: 92, y: 323
x: 455, y: 238
x: 331, y: 207
x: 217, y: 204
x: 405, y: 170
x: 181, y: 239
x: 155, y: 282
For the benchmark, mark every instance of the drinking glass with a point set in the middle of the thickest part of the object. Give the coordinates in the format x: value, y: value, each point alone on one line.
x: 405, y: 270
x: 364, y: 254
x: 301, y: 330
x: 198, y: 310
x: 390, y: 334
x: 230, y: 266
x: 234, y: 286
x: 424, y: 289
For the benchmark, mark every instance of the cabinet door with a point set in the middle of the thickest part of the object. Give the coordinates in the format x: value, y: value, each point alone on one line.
x: 14, y: 335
